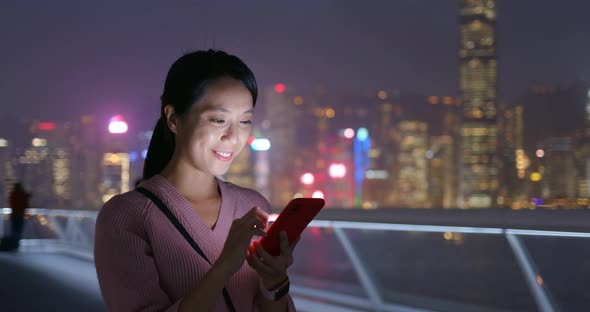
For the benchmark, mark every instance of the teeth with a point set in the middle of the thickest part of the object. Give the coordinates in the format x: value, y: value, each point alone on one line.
x: 223, y: 154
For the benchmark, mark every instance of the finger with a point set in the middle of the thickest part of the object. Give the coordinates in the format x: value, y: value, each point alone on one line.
x: 250, y: 256
x: 258, y: 213
x: 252, y: 218
x: 262, y: 215
x: 258, y: 264
x: 257, y: 231
x: 294, y: 244
x: 270, y: 264
x: 286, y: 250
x: 284, y: 244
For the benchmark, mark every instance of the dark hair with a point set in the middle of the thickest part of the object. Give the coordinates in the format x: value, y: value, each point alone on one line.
x: 185, y: 84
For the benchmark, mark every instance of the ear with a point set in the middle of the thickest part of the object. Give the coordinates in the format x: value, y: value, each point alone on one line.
x: 171, y: 118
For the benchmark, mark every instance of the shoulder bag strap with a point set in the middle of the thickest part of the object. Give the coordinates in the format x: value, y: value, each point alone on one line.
x: 156, y: 200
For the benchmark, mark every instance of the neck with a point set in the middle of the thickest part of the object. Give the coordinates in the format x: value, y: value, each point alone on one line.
x: 192, y: 184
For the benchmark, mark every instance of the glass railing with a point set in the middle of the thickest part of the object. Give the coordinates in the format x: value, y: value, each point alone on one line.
x: 55, y: 230
x: 361, y: 266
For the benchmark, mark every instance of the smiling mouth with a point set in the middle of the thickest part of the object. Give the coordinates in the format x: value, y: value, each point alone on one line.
x: 222, y: 155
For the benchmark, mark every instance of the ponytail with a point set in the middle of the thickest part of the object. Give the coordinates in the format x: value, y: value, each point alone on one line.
x: 160, y: 149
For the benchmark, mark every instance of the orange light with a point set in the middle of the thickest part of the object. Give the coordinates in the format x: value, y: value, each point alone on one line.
x: 298, y: 100
x: 330, y: 112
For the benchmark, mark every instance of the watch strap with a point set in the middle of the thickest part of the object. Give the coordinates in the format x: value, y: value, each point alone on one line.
x: 277, y: 293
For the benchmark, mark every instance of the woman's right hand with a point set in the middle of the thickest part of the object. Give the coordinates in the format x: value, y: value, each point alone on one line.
x: 240, y: 235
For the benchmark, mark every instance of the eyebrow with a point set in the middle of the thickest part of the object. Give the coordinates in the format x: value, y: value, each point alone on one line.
x: 225, y: 110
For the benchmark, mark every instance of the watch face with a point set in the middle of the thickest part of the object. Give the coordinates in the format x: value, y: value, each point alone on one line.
x: 281, y: 292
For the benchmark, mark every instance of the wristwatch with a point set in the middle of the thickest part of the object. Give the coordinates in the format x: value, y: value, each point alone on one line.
x: 277, y: 293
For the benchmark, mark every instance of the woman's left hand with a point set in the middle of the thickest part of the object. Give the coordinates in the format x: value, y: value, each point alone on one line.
x: 272, y: 270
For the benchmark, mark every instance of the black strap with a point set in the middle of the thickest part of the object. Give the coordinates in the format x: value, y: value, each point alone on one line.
x: 184, y: 233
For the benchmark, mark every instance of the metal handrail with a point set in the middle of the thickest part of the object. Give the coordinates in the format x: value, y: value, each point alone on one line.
x: 70, y: 238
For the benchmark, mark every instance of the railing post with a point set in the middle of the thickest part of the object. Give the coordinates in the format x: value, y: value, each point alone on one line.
x: 531, y: 274
x: 360, y: 270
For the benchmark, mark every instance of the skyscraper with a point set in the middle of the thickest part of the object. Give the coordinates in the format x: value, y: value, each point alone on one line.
x: 441, y: 171
x: 478, y: 91
x: 281, y: 132
x: 412, y: 179
x: 512, y: 156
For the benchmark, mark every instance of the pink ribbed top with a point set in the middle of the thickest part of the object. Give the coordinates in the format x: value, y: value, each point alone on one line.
x: 144, y: 263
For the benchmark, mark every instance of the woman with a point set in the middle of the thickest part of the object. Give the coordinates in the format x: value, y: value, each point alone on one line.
x: 143, y: 261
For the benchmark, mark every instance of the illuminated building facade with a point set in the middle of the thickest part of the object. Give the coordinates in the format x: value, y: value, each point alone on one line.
x: 515, y: 162
x: 116, y: 164
x: 115, y: 174
x: 340, y: 171
x: 559, y: 174
x: 584, y: 183
x: 280, y: 130
x: 478, y: 91
x: 412, y: 179
x: 44, y: 164
x: 442, y: 176
x: 7, y: 175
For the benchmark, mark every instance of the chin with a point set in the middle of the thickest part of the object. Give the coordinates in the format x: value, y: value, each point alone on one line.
x: 219, y: 171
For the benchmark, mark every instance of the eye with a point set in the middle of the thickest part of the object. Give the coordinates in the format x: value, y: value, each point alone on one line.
x: 216, y: 120
x: 246, y: 122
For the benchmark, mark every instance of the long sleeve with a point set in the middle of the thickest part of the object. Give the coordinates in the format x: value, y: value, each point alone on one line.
x: 127, y: 274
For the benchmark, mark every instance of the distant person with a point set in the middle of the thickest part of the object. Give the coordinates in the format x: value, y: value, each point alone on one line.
x: 143, y: 260
x: 19, y: 201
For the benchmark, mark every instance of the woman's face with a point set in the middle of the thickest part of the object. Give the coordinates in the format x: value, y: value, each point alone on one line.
x: 217, y: 128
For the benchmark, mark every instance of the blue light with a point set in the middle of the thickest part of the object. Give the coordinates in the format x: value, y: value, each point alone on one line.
x: 260, y: 145
x: 362, y: 134
x: 133, y: 156
x: 144, y: 153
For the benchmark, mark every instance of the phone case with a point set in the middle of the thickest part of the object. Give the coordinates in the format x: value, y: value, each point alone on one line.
x: 293, y: 219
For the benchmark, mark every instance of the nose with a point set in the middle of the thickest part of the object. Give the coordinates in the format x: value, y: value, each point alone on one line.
x: 230, y: 134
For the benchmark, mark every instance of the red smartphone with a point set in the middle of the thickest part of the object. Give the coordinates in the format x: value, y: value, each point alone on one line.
x: 293, y: 219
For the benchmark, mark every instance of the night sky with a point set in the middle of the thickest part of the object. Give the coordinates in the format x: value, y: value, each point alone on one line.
x: 64, y: 58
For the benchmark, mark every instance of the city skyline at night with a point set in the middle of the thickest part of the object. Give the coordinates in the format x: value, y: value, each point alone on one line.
x: 456, y: 126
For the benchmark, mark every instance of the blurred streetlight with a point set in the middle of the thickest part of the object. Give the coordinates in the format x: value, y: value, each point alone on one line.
x: 307, y: 178
x: 318, y: 194
x: 337, y: 170
x: 118, y: 125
